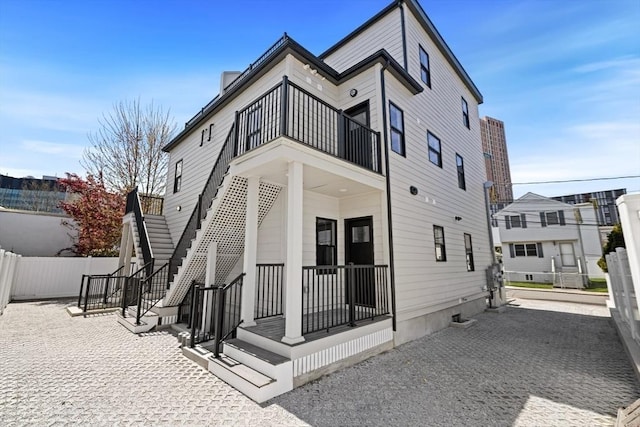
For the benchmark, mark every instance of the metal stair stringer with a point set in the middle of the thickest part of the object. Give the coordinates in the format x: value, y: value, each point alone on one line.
x: 225, y: 224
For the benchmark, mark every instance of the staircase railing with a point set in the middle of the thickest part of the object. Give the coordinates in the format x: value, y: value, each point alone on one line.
x: 216, y: 313
x: 100, y: 290
x: 131, y: 288
x: 133, y: 205
x: 204, y: 201
x: 152, y: 290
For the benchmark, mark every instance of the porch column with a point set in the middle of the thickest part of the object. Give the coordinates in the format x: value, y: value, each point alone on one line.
x: 250, y: 251
x: 209, y: 280
x: 293, y: 301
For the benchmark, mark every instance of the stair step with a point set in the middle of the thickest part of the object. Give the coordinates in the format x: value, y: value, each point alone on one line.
x: 244, y: 372
x: 629, y: 416
x: 255, y: 351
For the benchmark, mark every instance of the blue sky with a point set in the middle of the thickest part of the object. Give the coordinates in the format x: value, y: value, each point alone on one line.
x: 564, y: 76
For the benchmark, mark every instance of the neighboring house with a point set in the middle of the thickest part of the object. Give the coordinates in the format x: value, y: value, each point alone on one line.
x: 342, y: 193
x: 547, y: 241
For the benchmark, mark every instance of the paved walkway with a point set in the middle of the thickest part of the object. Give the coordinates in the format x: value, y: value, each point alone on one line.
x: 541, y: 363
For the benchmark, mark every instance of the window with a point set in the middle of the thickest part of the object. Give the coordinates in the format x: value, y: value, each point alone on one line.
x: 435, y: 152
x: 552, y: 218
x: 460, y: 166
x: 465, y: 113
x: 515, y: 221
x: 177, y: 179
x: 468, y: 249
x: 425, y: 71
x: 525, y: 250
x: 438, y: 238
x: 326, y: 249
x: 397, y: 129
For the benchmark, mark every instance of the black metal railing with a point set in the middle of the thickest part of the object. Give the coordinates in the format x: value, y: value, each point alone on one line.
x: 152, y: 289
x: 132, y: 287
x: 184, y: 309
x: 337, y: 295
x: 241, y: 77
x: 216, y: 313
x: 289, y: 110
x: 99, y: 291
x: 151, y: 205
x: 269, y: 290
x: 133, y: 205
x: 204, y: 201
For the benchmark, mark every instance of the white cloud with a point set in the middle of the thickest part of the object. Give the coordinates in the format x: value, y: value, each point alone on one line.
x: 55, y: 148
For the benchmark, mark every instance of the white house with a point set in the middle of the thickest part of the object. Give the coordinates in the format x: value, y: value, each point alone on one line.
x: 547, y: 241
x: 338, y: 197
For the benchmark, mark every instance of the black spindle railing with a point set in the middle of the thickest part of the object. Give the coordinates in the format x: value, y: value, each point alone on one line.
x: 269, y: 290
x: 131, y: 287
x: 151, y: 205
x: 134, y: 205
x: 152, y: 289
x: 100, y: 291
x: 337, y: 295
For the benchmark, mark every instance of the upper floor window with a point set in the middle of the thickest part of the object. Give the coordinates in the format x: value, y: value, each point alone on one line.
x: 465, y: 113
x: 460, y: 166
x: 435, y: 149
x: 177, y: 178
x: 396, y: 118
x: 438, y: 238
x: 515, y: 221
x: 425, y: 71
x: 326, y: 249
x: 468, y: 249
x: 552, y: 218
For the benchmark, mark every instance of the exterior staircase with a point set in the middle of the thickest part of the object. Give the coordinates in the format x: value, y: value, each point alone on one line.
x: 629, y: 416
x: 159, y: 239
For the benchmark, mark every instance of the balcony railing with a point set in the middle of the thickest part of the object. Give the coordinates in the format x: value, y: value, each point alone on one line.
x: 269, y: 290
x: 288, y: 110
x: 336, y: 295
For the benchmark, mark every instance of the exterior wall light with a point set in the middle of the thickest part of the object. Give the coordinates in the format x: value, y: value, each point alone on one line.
x: 178, y: 208
x: 353, y: 92
x: 413, y: 190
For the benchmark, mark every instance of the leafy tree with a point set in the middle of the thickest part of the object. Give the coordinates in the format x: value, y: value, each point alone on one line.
x: 615, y: 239
x: 127, y: 149
x: 97, y: 214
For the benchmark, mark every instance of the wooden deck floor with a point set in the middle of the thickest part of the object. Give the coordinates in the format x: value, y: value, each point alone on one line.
x: 274, y: 327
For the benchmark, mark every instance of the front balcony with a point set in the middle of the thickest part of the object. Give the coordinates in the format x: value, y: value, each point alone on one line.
x: 289, y: 111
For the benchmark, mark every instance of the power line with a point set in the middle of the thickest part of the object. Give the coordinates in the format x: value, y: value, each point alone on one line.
x: 574, y: 180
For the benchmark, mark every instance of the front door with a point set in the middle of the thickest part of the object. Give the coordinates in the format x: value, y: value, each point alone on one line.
x: 359, y: 260
x: 358, y: 144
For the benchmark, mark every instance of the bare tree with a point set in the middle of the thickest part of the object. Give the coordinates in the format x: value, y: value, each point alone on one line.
x: 127, y: 149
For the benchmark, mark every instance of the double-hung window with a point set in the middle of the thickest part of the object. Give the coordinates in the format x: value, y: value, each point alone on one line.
x: 396, y: 117
x: 438, y: 238
x: 326, y: 248
x: 468, y: 249
x: 552, y: 218
x: 435, y: 149
x: 525, y: 250
x: 177, y: 178
x: 425, y: 71
x: 465, y: 113
x: 460, y: 167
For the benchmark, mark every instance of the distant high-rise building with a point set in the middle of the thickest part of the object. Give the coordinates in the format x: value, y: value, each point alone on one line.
x: 603, y: 201
x: 31, y: 194
x: 494, y: 146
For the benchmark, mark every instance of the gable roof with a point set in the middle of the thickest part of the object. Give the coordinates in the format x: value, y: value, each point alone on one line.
x: 428, y: 26
x: 531, y: 201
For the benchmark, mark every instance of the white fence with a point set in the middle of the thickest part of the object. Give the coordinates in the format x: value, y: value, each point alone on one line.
x: 55, y: 277
x: 558, y: 279
x: 8, y: 261
x: 622, y: 289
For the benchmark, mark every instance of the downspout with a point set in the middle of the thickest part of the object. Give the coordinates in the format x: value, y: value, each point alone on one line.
x: 392, y: 274
x: 404, y: 38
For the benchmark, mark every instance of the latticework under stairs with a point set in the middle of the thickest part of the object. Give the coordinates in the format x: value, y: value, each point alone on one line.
x: 225, y: 225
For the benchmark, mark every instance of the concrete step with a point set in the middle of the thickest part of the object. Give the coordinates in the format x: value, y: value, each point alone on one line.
x: 264, y: 361
x: 147, y: 322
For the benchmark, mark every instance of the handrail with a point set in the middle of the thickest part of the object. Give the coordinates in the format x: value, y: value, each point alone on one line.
x: 133, y: 205
x: 209, y: 192
x: 156, y: 289
x: 135, y: 275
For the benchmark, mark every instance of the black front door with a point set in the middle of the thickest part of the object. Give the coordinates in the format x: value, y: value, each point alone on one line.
x: 358, y: 143
x: 360, y: 278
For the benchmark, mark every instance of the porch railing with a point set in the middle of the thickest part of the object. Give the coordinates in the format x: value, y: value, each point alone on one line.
x: 269, y: 290
x: 132, y: 287
x: 216, y: 313
x: 151, y: 205
x: 342, y: 295
x: 152, y: 289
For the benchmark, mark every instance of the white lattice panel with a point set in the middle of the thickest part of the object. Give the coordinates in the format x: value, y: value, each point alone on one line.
x: 224, y: 224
